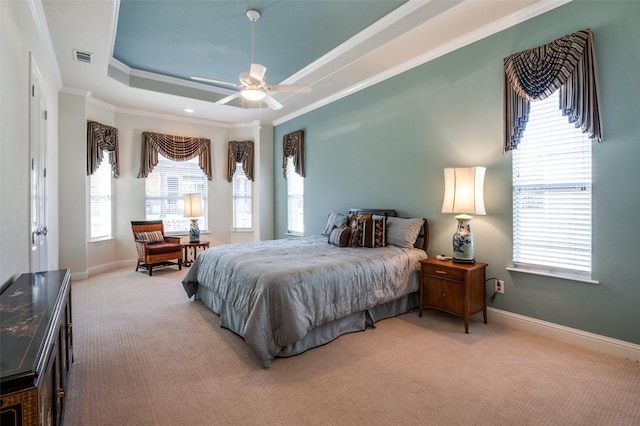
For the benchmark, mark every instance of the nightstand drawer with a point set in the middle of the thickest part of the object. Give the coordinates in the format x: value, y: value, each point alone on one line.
x: 443, y: 272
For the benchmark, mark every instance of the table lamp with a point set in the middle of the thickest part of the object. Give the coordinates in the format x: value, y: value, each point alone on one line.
x: 463, y: 193
x: 193, y: 209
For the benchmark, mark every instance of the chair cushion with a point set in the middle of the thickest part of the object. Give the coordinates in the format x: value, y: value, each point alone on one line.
x: 161, y: 248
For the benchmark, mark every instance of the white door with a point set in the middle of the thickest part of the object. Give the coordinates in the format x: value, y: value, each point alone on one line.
x: 37, y: 139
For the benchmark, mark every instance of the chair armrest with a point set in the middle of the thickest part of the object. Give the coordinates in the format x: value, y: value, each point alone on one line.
x: 141, y: 248
x: 175, y: 240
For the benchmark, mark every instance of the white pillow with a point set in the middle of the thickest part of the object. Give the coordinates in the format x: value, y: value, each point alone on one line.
x: 403, y: 232
x: 335, y: 220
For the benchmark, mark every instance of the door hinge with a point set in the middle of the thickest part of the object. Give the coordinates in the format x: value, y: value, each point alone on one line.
x: 33, y: 163
x: 33, y: 90
x: 44, y: 173
x: 46, y: 115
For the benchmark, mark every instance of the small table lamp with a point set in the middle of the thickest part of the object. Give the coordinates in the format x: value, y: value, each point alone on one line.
x: 193, y: 209
x: 463, y: 193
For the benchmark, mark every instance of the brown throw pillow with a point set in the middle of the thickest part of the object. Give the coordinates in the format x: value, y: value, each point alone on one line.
x: 354, y: 218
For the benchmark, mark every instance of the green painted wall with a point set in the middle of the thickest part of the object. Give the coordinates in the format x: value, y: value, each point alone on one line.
x: 386, y: 147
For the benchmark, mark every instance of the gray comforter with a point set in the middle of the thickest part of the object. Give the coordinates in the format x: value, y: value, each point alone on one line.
x: 282, y: 289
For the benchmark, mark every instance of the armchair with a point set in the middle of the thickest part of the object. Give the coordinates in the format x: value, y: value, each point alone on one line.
x: 154, y: 249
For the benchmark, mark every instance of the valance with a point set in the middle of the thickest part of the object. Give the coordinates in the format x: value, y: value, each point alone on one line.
x: 101, y: 138
x: 293, y: 146
x: 240, y: 152
x: 567, y: 64
x: 176, y: 148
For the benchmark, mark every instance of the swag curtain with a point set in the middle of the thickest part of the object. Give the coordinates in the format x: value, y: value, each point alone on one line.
x: 240, y: 152
x: 568, y: 64
x: 176, y: 148
x: 293, y: 146
x: 99, y: 139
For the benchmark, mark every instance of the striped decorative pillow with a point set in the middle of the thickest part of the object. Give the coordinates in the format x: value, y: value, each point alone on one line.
x: 151, y: 237
x: 369, y: 233
x: 374, y: 232
x: 340, y: 236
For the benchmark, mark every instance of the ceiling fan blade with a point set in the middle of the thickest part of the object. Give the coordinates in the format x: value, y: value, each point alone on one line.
x: 210, y: 80
x: 272, y: 103
x: 290, y: 88
x: 228, y: 99
x: 257, y: 72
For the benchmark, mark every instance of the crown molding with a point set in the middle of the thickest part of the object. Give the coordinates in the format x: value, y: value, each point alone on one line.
x: 396, y: 15
x: 200, y: 121
x: 77, y: 92
x: 471, y: 37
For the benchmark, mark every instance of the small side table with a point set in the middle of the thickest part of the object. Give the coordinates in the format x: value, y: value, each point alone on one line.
x: 193, y: 249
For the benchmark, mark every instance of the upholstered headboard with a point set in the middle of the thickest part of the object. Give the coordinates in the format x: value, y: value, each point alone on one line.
x: 423, y: 237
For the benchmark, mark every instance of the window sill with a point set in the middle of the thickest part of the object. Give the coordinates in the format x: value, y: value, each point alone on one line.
x: 294, y: 234
x: 561, y: 276
x: 183, y: 234
x: 100, y: 240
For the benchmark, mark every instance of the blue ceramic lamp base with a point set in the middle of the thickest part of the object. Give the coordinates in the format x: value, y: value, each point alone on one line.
x: 463, y: 248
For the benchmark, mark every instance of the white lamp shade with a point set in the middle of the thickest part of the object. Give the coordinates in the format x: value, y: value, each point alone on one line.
x: 464, y: 190
x: 193, y: 205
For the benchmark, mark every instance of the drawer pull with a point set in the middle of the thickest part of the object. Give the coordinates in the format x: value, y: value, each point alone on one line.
x: 60, y: 393
x: 441, y: 272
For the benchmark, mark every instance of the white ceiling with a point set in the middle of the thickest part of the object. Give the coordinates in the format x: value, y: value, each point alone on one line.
x: 416, y: 32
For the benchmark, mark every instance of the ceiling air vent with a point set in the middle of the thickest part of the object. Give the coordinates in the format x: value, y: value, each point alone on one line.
x: 81, y: 56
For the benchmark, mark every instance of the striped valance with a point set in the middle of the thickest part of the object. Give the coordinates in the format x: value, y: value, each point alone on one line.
x: 176, y: 148
x: 101, y: 138
x: 568, y: 64
x: 240, y: 152
x: 293, y: 146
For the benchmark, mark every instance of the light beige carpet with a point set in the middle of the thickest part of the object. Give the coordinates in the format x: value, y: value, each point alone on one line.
x: 147, y: 355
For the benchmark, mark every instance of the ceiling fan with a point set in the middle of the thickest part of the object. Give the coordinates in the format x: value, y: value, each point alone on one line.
x: 253, y: 84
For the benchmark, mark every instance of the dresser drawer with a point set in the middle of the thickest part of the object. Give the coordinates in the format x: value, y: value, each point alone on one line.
x: 444, y: 272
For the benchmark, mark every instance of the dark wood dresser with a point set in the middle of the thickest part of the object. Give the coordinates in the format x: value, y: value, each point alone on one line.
x: 36, y: 348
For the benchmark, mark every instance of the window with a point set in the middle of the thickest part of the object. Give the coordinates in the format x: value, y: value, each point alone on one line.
x: 552, y: 194
x: 100, y: 199
x: 165, y: 187
x: 242, y: 206
x: 295, y: 200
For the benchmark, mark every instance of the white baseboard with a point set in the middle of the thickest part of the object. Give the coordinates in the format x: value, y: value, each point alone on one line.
x: 103, y: 268
x: 79, y: 276
x: 574, y: 336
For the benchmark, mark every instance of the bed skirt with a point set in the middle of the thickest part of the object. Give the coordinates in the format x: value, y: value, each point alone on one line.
x: 359, y: 321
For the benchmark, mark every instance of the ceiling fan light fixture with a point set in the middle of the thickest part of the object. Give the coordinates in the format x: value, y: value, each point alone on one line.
x: 253, y: 94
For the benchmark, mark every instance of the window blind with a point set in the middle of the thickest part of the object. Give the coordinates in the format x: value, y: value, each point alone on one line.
x: 242, y: 205
x: 552, y: 193
x: 100, y: 196
x: 295, y: 200
x: 165, y: 187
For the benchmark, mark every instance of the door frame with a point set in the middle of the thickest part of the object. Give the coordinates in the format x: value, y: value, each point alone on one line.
x: 38, y: 253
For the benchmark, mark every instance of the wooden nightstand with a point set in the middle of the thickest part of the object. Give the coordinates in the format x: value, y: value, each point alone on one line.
x: 456, y: 288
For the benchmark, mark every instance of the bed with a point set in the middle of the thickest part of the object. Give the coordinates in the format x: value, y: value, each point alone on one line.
x: 286, y: 296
